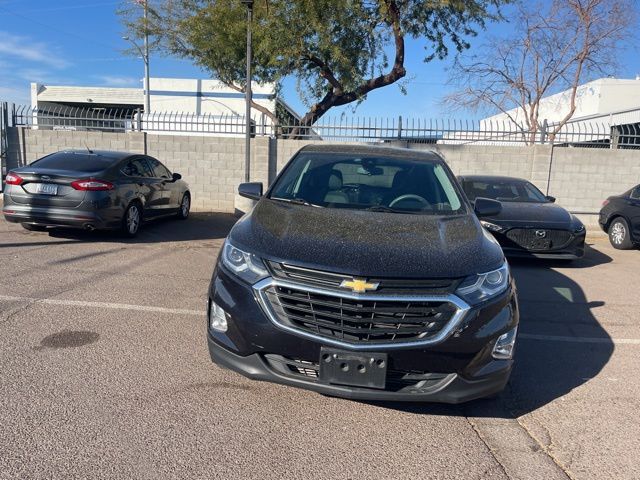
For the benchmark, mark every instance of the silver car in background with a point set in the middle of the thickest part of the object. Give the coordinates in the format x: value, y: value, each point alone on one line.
x: 93, y: 190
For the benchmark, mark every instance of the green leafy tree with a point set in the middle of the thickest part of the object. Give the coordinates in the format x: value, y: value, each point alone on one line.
x: 338, y: 50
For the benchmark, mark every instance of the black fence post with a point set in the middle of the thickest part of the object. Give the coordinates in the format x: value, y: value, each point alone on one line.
x: 399, y: 127
x: 4, y: 143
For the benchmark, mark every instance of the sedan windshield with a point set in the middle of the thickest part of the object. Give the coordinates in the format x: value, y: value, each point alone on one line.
x: 384, y: 184
x: 503, y: 190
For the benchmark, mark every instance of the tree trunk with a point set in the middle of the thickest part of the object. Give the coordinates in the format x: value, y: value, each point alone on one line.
x: 335, y: 95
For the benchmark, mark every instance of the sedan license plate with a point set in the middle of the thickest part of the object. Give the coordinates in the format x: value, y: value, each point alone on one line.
x: 541, y: 244
x: 46, y: 189
x: 364, y: 369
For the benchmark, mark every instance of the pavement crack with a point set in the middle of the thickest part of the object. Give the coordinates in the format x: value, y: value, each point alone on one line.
x: 489, y: 448
x: 546, y: 448
x: 513, y: 405
x: 12, y: 312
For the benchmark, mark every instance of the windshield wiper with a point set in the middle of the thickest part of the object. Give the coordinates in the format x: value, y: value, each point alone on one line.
x: 383, y: 208
x: 297, y: 201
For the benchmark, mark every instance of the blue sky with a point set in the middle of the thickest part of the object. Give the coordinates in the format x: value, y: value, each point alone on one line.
x: 69, y: 42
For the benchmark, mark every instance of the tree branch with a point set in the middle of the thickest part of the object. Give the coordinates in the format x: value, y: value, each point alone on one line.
x: 336, y: 97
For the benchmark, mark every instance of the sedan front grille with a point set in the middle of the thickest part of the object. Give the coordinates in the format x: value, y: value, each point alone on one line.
x: 538, y: 239
x: 356, y: 320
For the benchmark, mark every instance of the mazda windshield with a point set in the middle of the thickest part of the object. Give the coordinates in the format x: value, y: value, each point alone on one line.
x: 373, y: 183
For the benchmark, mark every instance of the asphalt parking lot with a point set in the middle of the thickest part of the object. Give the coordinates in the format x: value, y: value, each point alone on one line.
x: 104, y: 373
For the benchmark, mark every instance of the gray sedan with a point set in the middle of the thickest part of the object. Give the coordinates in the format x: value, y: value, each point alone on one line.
x: 93, y: 190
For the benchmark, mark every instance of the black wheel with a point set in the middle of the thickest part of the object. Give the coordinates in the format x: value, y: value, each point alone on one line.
x: 34, y: 228
x: 131, y: 220
x: 185, y: 207
x: 619, y: 234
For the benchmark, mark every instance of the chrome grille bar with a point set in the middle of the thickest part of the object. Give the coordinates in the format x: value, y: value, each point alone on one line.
x: 331, y: 327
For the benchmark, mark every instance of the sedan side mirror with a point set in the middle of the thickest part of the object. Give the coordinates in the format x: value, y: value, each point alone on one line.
x: 550, y: 198
x: 252, y: 190
x: 486, y: 207
x: 176, y: 177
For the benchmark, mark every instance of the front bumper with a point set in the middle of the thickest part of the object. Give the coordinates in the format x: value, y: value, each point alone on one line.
x: 457, y: 369
x: 452, y: 388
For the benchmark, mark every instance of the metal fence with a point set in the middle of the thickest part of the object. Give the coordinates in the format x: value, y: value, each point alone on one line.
x: 5, y: 118
x: 619, y: 130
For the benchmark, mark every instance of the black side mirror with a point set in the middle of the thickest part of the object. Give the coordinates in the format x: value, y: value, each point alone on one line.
x: 550, y: 198
x: 176, y: 177
x: 252, y: 190
x: 486, y: 207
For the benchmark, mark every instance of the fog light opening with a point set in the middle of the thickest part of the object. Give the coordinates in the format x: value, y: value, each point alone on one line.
x: 503, y: 349
x: 217, y: 318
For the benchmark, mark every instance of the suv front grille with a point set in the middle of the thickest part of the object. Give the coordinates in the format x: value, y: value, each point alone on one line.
x: 528, y: 239
x: 355, y: 320
x: 322, y: 279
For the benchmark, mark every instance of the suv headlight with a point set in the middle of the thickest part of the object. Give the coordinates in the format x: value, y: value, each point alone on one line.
x: 481, y: 287
x: 245, y: 265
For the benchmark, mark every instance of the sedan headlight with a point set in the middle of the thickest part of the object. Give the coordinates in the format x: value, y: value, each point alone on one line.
x: 246, y: 265
x: 491, y: 226
x: 481, y: 287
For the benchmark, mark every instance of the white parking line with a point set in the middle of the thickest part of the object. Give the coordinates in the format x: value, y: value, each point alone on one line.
x: 183, y: 311
x: 117, y: 306
x: 560, y: 338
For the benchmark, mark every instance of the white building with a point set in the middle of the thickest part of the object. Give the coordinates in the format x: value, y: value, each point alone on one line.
x: 177, y: 106
x: 601, y: 97
x: 603, y: 107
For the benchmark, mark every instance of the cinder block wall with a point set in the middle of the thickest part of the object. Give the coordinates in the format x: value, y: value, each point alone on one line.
x: 580, y: 178
x: 213, y: 166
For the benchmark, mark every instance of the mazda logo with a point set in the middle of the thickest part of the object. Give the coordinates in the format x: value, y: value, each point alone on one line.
x: 541, y: 233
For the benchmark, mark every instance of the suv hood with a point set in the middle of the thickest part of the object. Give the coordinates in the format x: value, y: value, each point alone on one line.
x: 367, y: 244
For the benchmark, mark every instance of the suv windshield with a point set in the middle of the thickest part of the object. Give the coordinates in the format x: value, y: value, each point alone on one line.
x: 369, y: 183
x: 503, y: 190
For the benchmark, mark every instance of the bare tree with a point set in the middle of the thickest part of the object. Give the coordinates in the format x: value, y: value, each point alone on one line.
x: 556, y: 45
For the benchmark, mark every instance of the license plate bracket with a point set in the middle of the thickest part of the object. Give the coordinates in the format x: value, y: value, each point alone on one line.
x: 47, y: 188
x: 541, y: 244
x: 357, y: 369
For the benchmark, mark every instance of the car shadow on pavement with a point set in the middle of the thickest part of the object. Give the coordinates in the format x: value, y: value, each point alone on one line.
x: 561, y: 344
x: 199, y: 226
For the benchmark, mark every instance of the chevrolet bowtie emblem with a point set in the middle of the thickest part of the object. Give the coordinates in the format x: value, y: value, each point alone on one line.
x: 358, y: 285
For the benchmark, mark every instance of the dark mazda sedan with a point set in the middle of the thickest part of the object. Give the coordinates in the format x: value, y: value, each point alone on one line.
x: 93, y: 190
x: 363, y: 272
x: 620, y: 218
x: 530, y: 224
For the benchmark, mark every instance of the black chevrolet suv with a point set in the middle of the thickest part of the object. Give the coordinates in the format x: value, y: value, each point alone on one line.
x: 364, y: 273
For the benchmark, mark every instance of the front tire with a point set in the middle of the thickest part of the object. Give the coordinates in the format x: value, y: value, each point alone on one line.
x: 185, y: 207
x: 34, y: 228
x: 619, y: 234
x: 131, y: 220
